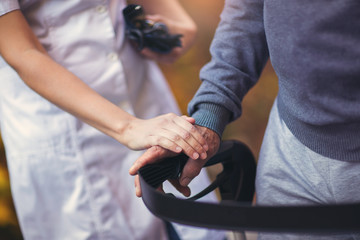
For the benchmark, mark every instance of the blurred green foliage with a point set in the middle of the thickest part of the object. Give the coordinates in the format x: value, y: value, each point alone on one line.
x: 184, y: 81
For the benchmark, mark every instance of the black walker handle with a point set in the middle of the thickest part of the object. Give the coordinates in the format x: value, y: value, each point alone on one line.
x: 235, y: 211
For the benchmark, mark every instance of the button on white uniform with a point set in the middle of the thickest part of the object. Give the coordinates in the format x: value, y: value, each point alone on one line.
x: 113, y: 57
x: 100, y: 9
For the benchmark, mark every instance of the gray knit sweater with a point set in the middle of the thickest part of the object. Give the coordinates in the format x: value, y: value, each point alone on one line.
x: 314, y: 47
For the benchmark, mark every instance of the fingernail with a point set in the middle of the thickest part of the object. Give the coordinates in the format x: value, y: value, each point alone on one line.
x: 206, y: 147
x: 195, y: 155
x: 203, y: 156
x: 185, y: 181
x: 178, y: 149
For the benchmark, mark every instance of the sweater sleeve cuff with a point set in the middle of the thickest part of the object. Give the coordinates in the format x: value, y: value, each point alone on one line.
x: 212, y: 116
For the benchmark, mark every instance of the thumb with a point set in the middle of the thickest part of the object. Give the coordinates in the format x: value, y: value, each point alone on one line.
x: 152, y: 155
x: 191, y: 169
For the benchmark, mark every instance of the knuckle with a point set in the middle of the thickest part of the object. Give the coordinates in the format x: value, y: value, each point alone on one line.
x: 186, y: 135
x: 157, y: 151
x: 164, y: 121
x: 193, y: 172
x: 154, y: 149
x: 176, y: 137
x: 193, y: 129
x: 163, y: 142
x: 198, y: 148
x: 188, y: 150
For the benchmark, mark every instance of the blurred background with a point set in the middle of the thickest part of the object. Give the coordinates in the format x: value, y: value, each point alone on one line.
x: 184, y: 81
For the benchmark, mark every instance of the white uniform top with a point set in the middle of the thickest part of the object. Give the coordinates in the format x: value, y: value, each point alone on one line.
x: 70, y: 181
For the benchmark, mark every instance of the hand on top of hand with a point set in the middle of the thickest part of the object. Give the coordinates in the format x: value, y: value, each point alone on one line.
x: 191, y: 169
x: 172, y: 132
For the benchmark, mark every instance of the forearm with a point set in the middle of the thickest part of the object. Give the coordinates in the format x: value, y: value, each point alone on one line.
x: 239, y: 53
x: 22, y: 51
x: 64, y: 89
x: 61, y: 87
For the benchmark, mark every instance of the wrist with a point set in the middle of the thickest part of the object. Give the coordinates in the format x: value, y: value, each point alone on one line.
x: 123, y: 130
x: 212, y: 138
x: 212, y: 116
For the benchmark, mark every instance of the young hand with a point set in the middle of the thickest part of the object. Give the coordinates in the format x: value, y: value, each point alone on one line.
x: 172, y: 132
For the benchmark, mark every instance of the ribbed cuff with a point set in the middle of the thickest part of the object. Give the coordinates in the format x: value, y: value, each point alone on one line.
x: 212, y: 116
